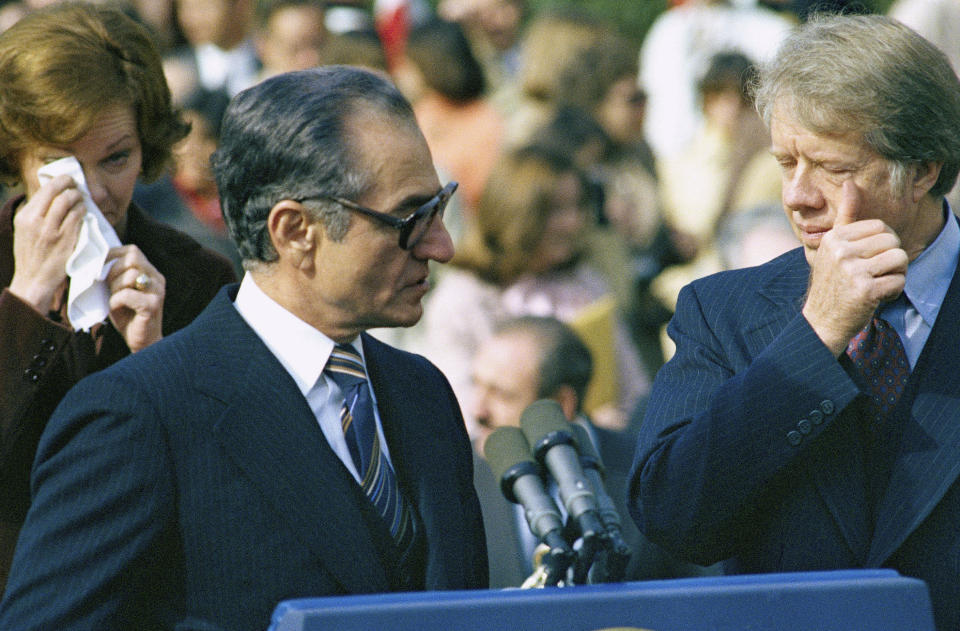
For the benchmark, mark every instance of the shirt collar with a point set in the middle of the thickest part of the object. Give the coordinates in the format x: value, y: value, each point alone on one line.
x: 930, y: 274
x: 301, y: 349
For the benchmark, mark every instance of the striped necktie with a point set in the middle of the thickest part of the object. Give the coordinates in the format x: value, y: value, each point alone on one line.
x: 378, y: 479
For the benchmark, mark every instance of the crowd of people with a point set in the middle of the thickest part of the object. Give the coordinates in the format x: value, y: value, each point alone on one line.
x: 473, y: 205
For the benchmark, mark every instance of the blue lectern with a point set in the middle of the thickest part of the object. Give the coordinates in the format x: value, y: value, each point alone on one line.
x: 846, y: 600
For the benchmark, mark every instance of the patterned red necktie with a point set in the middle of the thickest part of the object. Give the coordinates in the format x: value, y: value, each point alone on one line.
x: 878, y: 354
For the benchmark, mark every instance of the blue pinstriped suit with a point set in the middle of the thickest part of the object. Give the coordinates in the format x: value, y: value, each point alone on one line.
x: 749, y: 452
x: 191, y: 487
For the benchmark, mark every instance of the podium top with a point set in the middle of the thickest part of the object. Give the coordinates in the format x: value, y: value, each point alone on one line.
x: 841, y: 600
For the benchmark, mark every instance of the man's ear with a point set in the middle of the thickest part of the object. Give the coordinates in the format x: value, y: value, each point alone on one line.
x: 293, y: 233
x: 924, y: 178
x: 569, y: 402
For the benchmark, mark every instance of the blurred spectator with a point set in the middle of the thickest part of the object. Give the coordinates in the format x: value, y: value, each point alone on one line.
x: 494, y: 29
x: 550, y: 43
x: 345, y: 16
x: 355, y: 48
x: 602, y: 81
x: 524, y: 255
x: 193, y: 176
x: 393, y: 21
x: 220, y: 53
x: 188, y: 198
x: 676, y: 51
x: 290, y: 35
x: 754, y: 236
x: 157, y: 15
x: 446, y: 86
x: 727, y: 167
x: 576, y: 134
x: 160, y: 17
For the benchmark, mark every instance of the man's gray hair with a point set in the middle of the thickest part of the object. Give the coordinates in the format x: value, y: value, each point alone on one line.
x: 869, y: 75
x: 288, y: 137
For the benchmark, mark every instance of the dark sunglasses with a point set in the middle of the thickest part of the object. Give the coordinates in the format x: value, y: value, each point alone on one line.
x: 413, y: 227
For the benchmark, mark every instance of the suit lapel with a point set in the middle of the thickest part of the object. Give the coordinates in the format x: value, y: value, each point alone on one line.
x: 836, y: 472
x: 787, y: 287
x: 268, y: 430
x: 415, y: 416
x: 929, y: 459
x: 392, y: 406
x: 397, y: 395
x: 783, y: 294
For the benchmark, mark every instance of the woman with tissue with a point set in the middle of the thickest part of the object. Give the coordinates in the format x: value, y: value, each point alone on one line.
x: 87, y: 278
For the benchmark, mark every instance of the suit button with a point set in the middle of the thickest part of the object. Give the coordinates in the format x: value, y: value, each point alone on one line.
x: 31, y: 376
x: 816, y: 417
x: 804, y: 426
x: 39, y: 361
x: 794, y: 437
x: 827, y: 407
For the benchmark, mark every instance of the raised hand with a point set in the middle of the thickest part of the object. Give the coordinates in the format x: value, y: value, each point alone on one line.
x: 858, y: 264
x: 137, y: 291
x: 45, y: 230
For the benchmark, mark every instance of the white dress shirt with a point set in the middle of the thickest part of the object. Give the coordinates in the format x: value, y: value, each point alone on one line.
x: 303, y: 352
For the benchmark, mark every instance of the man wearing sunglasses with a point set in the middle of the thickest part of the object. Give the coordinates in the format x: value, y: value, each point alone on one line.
x: 199, y: 484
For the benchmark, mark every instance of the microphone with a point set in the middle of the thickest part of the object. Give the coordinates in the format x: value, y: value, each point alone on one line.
x: 550, y: 436
x: 594, y: 471
x: 615, y: 562
x: 508, y: 454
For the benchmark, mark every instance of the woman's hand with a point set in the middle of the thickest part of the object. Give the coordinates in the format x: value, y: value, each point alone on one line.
x: 137, y: 291
x: 45, y: 231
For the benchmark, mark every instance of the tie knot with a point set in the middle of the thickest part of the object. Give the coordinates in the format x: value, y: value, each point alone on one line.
x: 877, y: 331
x: 345, y: 366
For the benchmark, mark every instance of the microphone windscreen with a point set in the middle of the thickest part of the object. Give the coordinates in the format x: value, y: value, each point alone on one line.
x: 542, y: 418
x: 505, y: 448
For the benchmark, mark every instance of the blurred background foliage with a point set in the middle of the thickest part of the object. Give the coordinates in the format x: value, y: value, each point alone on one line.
x: 632, y: 17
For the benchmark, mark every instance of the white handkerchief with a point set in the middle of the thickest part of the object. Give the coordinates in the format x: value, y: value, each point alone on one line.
x: 89, y: 296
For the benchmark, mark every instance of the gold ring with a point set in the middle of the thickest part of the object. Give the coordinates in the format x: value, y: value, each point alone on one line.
x: 142, y: 282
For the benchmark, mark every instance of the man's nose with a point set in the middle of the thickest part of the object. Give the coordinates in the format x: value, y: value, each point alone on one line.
x: 799, y: 191
x: 436, y: 244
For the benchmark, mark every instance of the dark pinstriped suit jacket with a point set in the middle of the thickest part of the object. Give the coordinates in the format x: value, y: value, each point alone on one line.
x: 749, y: 451
x: 190, y: 487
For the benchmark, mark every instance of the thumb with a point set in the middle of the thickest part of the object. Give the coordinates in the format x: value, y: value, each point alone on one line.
x: 849, y: 204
